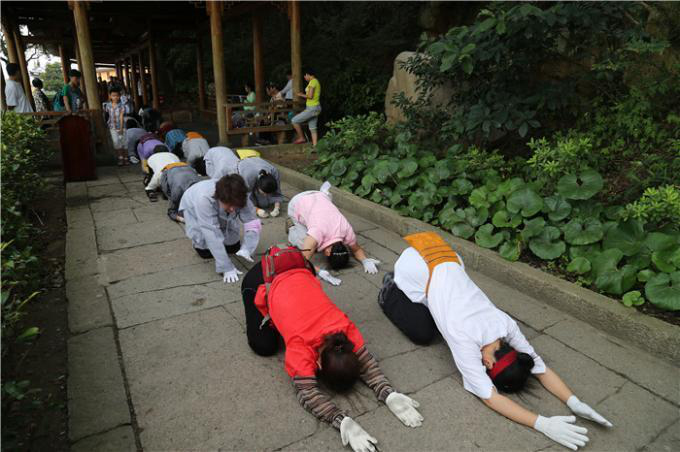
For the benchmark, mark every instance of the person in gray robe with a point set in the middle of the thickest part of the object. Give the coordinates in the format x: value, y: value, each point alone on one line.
x: 174, y: 182
x: 214, y: 212
x: 219, y: 161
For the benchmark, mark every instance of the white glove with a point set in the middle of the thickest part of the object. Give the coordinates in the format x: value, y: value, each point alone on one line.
x: 370, y: 265
x: 325, y: 188
x: 261, y: 213
x: 244, y: 254
x: 275, y: 212
x: 359, y: 440
x: 581, y: 409
x: 232, y: 276
x: 332, y: 280
x: 404, y: 408
x: 561, y: 430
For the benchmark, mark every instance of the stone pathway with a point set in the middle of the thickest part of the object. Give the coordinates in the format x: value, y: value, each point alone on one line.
x: 158, y: 358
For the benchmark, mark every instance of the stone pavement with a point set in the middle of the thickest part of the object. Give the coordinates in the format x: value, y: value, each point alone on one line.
x: 158, y: 358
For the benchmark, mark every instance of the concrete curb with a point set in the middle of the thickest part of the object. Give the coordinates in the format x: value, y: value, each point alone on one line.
x: 604, y: 313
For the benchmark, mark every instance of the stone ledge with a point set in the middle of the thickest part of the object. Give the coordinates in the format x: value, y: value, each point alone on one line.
x: 604, y: 313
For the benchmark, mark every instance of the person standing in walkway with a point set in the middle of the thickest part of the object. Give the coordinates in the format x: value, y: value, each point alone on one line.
x: 42, y: 103
x: 316, y: 224
x: 115, y: 111
x: 430, y: 290
x: 312, y: 110
x: 72, y: 99
x: 287, y: 91
x: 320, y: 340
x: 14, y: 91
x: 214, y: 213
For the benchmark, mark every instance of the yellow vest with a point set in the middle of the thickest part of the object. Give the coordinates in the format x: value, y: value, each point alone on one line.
x: 433, y: 249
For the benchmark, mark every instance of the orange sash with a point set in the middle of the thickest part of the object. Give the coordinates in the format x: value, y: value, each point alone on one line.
x: 192, y: 135
x: 433, y: 249
x: 173, y: 165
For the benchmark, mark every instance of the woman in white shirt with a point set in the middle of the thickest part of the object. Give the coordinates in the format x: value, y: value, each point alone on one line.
x: 488, y: 348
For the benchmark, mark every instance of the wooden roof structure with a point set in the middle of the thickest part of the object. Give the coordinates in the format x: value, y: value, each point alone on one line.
x: 126, y: 33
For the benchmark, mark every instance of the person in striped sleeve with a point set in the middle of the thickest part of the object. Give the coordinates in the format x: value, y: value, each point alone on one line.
x: 321, y: 343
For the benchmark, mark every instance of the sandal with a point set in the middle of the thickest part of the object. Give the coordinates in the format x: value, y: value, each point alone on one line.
x: 300, y: 141
x: 152, y: 195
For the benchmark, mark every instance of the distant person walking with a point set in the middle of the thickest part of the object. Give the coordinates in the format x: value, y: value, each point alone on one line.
x: 71, y: 98
x: 115, y: 110
x: 312, y: 109
x: 14, y: 92
x: 42, y: 103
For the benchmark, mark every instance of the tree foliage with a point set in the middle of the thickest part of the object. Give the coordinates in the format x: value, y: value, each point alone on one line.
x: 52, y: 77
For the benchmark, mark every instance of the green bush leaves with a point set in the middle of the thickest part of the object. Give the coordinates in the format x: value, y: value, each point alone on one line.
x: 547, y: 244
x: 583, y: 232
x: 663, y: 290
x: 526, y: 201
x: 580, y: 186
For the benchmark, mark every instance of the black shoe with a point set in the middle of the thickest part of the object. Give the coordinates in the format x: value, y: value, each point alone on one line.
x: 205, y: 254
x: 388, y: 281
x: 152, y: 195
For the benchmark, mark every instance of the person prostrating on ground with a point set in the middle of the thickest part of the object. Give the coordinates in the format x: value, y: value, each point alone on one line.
x: 315, y: 224
x: 431, y: 291
x: 283, y: 299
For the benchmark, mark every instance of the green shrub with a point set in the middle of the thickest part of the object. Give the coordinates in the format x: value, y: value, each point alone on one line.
x: 658, y: 207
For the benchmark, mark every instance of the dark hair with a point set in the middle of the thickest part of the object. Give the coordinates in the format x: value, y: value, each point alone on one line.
x: 12, y: 69
x: 248, y: 86
x: 289, y: 71
x: 232, y: 190
x: 514, y: 376
x: 178, y: 150
x: 339, y: 256
x: 308, y: 70
x: 114, y: 89
x: 74, y: 73
x: 199, y: 166
x: 266, y: 182
x: 339, y: 364
x: 37, y: 83
x: 131, y: 124
x: 160, y: 148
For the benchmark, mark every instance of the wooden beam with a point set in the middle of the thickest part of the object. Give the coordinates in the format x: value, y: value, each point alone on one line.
x: 199, y: 73
x: 9, y: 40
x: 142, y: 76
x: 65, y: 63
x: 295, y: 47
x: 258, y: 62
x: 154, y: 75
x: 214, y: 9
x: 135, y: 91
x: 21, y: 54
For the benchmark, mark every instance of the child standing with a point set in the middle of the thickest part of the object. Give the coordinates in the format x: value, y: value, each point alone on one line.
x: 115, y: 109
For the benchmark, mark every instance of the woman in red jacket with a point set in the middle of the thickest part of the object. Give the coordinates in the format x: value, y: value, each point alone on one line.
x: 321, y: 341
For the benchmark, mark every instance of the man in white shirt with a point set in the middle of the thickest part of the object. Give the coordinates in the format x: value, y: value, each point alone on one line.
x: 14, y: 92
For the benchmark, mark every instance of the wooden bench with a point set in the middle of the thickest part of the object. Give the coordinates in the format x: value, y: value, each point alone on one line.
x: 263, y: 117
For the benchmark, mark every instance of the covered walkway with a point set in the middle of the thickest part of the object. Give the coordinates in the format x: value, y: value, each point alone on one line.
x: 158, y: 358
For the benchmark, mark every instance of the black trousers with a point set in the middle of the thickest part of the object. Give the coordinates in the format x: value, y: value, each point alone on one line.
x: 412, y: 319
x: 262, y: 339
x: 205, y: 253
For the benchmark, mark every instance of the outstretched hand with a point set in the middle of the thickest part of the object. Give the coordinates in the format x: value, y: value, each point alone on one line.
x: 404, y: 408
x: 562, y: 430
x: 359, y: 440
x: 585, y: 411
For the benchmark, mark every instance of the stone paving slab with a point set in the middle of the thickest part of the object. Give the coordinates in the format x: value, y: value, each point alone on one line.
x: 79, y: 217
x: 117, y: 237
x: 121, y: 439
x: 118, y: 217
x: 81, y: 253
x: 88, y: 307
x: 96, y: 395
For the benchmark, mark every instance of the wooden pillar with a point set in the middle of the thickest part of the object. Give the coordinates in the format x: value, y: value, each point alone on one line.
x: 21, y: 60
x: 65, y: 65
x: 134, y: 78
x: 154, y: 74
x: 126, y: 70
x: 215, y: 9
x: 87, y: 69
x: 142, y: 76
x: 119, y: 71
x: 295, y: 47
x: 258, y: 63
x: 199, y: 73
x: 9, y: 40
x: 3, y: 100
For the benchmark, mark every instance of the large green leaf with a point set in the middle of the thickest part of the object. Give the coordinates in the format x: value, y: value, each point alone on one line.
x: 608, y: 276
x: 667, y: 260
x: 462, y: 230
x: 532, y: 228
x: 526, y: 201
x: 461, y: 186
x: 368, y: 181
x: 579, y: 265
x: 582, y: 232
x: 502, y: 219
x: 506, y: 188
x: 339, y: 167
x: 485, y: 237
x: 663, y: 291
x: 384, y: 169
x: 547, y: 245
x: 408, y: 167
x: 627, y: 236
x: 658, y: 241
x: 510, y: 249
x: 580, y: 186
x: 556, y: 207
x: 481, y: 197
x: 633, y: 298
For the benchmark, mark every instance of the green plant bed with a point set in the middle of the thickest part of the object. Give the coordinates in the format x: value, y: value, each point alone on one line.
x: 563, y: 226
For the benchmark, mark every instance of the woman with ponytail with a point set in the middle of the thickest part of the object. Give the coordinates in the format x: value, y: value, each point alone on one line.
x: 430, y: 290
x: 322, y: 344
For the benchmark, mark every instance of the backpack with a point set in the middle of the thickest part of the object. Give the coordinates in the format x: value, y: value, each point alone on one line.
x: 276, y: 261
x: 56, y: 102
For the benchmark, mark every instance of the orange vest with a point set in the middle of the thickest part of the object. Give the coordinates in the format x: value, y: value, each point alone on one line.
x: 433, y: 249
